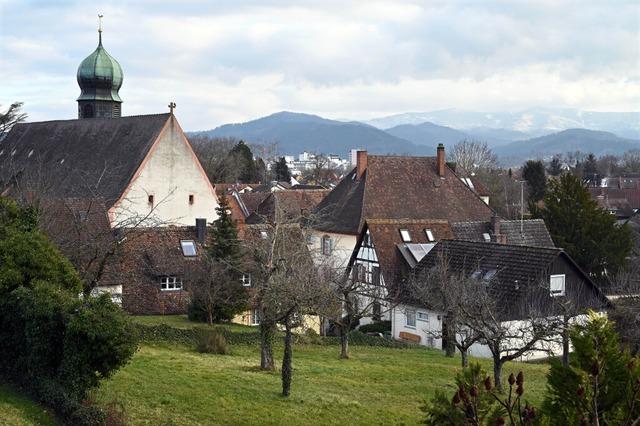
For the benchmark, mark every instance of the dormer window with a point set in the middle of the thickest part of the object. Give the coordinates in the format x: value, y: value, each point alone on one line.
x: 406, y: 237
x: 557, y: 285
x: 246, y: 280
x: 191, y: 199
x: 188, y: 248
x: 429, y: 233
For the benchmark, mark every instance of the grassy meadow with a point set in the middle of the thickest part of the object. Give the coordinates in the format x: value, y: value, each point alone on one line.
x: 172, y: 384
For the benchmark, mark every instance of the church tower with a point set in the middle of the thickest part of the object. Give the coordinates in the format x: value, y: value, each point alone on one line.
x: 100, y: 78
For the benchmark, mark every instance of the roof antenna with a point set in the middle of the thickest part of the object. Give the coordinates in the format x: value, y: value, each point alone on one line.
x: 171, y: 106
x: 100, y: 28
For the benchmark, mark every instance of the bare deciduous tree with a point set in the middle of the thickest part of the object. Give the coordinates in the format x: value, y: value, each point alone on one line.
x: 443, y: 290
x: 11, y: 117
x: 472, y: 156
x: 288, y: 288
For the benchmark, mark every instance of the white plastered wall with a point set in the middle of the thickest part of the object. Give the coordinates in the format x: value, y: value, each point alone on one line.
x: 171, y: 173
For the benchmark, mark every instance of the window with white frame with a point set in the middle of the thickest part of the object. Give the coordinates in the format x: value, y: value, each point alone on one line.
x: 246, y: 280
x: 423, y: 316
x: 264, y: 235
x: 188, y: 248
x: 411, y: 318
x: 256, y: 317
x: 487, y: 237
x: 405, y: 235
x: 429, y: 233
x: 326, y: 245
x: 556, y: 285
x: 169, y: 283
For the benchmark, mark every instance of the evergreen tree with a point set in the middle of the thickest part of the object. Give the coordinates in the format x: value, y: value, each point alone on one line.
x: 224, y: 234
x: 281, y: 170
x: 247, y: 166
x: 602, y: 385
x: 589, y: 234
x: 533, y: 172
x: 217, y: 288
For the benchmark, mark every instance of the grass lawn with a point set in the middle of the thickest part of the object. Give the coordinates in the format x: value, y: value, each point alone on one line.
x: 181, y: 321
x: 173, y: 384
x: 18, y: 410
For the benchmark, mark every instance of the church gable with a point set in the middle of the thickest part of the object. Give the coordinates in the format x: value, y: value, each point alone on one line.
x: 170, y: 186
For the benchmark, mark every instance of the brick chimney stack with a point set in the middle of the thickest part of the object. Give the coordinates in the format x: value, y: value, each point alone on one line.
x: 495, y: 228
x: 361, y: 163
x: 441, y: 160
x: 201, y: 230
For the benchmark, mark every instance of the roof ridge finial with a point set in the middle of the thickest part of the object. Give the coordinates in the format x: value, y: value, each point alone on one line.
x: 100, y: 29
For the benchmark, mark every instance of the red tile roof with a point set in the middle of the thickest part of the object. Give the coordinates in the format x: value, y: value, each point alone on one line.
x: 399, y: 188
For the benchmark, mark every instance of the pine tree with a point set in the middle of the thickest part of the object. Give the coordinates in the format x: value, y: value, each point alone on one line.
x: 281, y: 170
x: 533, y: 172
x: 225, y: 235
x: 589, y: 234
x: 590, y: 171
x: 555, y: 166
x: 602, y: 385
x: 248, y: 170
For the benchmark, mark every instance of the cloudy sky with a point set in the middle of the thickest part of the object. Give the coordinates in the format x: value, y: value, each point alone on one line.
x: 231, y: 61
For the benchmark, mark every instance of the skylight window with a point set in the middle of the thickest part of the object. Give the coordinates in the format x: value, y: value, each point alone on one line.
x: 406, y: 237
x: 188, y: 248
x: 487, y: 237
x: 490, y: 274
x: 429, y: 233
x: 557, y: 285
x: 264, y: 235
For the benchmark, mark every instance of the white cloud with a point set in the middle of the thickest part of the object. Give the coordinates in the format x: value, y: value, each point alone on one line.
x: 232, y: 61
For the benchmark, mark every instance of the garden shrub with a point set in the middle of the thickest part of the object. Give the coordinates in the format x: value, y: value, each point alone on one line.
x: 52, y: 343
x: 376, y: 327
x: 211, y: 341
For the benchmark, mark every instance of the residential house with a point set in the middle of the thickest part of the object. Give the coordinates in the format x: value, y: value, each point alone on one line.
x: 516, y: 274
x: 287, y: 206
x: 530, y: 232
x: 392, y: 187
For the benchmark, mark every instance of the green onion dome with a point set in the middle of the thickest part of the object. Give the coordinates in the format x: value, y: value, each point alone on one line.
x: 100, y: 76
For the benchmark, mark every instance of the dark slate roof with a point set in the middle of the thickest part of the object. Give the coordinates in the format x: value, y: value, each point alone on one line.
x: 78, y: 158
x: 517, y: 268
x: 535, y: 232
x: 398, y: 188
x: 252, y: 200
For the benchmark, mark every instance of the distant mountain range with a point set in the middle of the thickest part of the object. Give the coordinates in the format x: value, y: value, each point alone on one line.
x: 533, y: 122
x: 571, y: 140
x: 296, y: 132
x: 524, y: 136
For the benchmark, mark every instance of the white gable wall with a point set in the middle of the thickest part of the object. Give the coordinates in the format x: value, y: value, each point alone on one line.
x: 171, y: 173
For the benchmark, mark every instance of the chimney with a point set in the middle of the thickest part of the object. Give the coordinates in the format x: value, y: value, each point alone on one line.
x: 361, y: 163
x: 440, y: 160
x: 495, y: 228
x: 201, y: 230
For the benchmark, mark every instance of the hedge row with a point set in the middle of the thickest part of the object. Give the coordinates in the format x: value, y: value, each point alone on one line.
x: 188, y: 336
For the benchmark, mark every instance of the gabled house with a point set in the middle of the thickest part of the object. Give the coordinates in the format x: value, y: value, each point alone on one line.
x: 392, y: 187
x: 515, y: 274
x: 386, y: 251
x: 151, y: 272
x: 141, y: 167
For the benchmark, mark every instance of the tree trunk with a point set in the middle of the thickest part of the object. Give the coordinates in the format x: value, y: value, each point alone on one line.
x: 286, y: 361
x: 344, y: 342
x: 449, y: 338
x: 465, y: 357
x: 210, y: 317
x: 497, y: 373
x: 266, y: 352
x: 565, y: 342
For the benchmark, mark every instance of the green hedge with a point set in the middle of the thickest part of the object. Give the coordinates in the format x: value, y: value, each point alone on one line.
x: 189, y: 336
